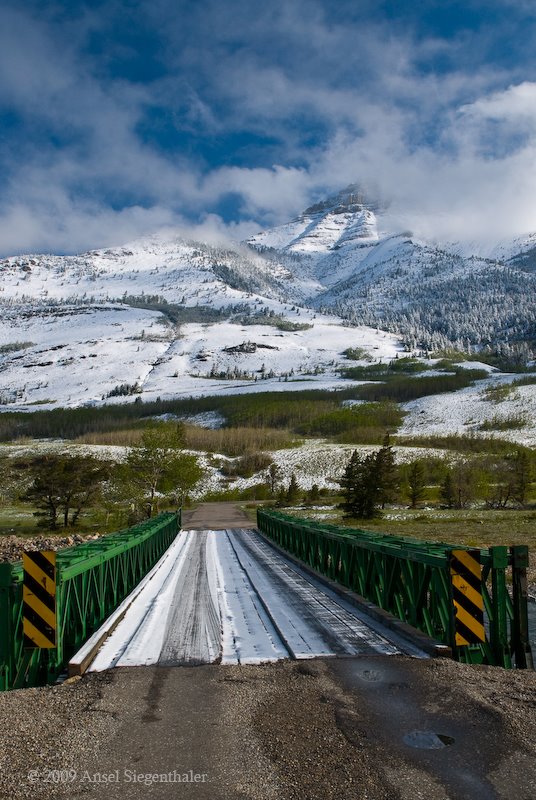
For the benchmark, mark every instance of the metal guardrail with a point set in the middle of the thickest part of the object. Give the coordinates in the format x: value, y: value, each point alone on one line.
x: 411, y: 580
x: 91, y: 580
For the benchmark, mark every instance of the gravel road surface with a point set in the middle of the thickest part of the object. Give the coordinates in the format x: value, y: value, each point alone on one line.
x: 289, y: 730
x: 215, y: 517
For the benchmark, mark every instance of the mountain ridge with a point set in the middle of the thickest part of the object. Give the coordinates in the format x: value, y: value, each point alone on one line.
x: 191, y: 308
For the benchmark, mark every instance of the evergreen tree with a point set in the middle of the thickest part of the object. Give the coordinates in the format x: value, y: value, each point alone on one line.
x: 314, y: 493
x: 447, y: 492
x: 521, y: 475
x: 387, y: 474
x: 361, y: 487
x: 293, y: 490
x: 416, y: 482
x: 348, y: 482
x: 281, y: 498
x: 273, y: 474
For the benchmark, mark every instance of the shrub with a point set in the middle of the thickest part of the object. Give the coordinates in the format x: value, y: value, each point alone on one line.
x: 368, y: 416
x: 13, y: 347
x: 460, y: 444
x: 402, y: 389
x: 247, y: 465
x: 356, y: 354
x: 124, y: 390
x: 497, y: 394
x: 237, y: 441
x: 513, y: 422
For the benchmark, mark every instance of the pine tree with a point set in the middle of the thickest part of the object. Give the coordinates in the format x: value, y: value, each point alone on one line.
x: 314, y: 493
x: 447, y: 491
x: 273, y: 475
x: 293, y: 490
x: 361, y: 488
x: 521, y: 476
x: 281, y: 498
x: 348, y: 482
x: 416, y: 483
x: 387, y: 473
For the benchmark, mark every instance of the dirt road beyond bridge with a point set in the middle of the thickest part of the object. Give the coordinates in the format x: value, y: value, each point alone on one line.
x: 215, y: 517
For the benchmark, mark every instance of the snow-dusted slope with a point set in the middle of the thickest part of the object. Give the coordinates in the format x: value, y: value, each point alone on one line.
x: 320, y: 232
x: 167, y: 266
x: 436, y: 296
x: 87, y: 354
x: 229, y: 358
x: 327, y: 242
x: 204, y: 320
x: 69, y: 356
x: 168, y: 317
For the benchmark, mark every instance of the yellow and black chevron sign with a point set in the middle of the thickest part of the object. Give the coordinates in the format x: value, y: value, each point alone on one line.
x: 39, y: 599
x: 466, y: 576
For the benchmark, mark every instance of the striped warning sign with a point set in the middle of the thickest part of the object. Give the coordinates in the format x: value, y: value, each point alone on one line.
x: 39, y: 599
x: 466, y: 576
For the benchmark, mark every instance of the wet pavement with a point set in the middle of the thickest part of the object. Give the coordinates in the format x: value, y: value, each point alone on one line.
x: 459, y: 744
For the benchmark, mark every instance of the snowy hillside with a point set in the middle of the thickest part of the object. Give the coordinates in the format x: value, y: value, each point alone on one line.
x: 330, y: 225
x: 475, y: 411
x: 436, y: 296
x: 186, y: 321
x: 166, y: 317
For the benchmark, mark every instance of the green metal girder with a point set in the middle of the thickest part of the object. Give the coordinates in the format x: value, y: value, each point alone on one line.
x: 411, y: 579
x: 92, y: 579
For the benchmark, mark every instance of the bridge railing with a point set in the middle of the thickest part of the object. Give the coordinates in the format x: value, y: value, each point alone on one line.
x: 91, y: 581
x: 411, y: 579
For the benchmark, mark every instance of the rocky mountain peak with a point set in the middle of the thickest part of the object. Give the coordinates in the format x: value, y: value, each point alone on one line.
x: 353, y: 198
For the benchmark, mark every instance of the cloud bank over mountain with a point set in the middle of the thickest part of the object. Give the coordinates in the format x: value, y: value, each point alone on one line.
x: 123, y: 118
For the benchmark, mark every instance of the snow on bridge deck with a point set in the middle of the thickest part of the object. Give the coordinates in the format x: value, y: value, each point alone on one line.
x: 229, y: 596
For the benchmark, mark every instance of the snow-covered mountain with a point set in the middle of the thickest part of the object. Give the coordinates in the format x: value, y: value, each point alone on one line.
x: 168, y: 317
x: 436, y: 296
x: 163, y: 317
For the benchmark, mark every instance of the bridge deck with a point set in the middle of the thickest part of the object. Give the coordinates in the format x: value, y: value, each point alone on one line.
x: 227, y: 596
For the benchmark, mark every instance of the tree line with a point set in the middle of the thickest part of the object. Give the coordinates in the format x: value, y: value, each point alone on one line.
x: 61, y: 486
x: 371, y: 481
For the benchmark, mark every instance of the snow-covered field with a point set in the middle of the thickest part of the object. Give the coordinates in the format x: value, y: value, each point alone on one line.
x: 313, y: 462
x: 464, y: 411
x: 77, y: 358
x: 80, y: 357
x: 261, y: 358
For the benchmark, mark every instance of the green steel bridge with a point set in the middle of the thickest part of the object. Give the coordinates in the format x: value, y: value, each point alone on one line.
x: 407, y: 584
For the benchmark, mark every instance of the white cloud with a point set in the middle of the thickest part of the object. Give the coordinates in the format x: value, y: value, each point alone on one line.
x: 515, y: 103
x: 77, y: 228
x: 275, y: 192
x: 453, y: 150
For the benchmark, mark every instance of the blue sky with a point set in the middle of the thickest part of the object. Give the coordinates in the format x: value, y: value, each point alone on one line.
x: 222, y: 117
